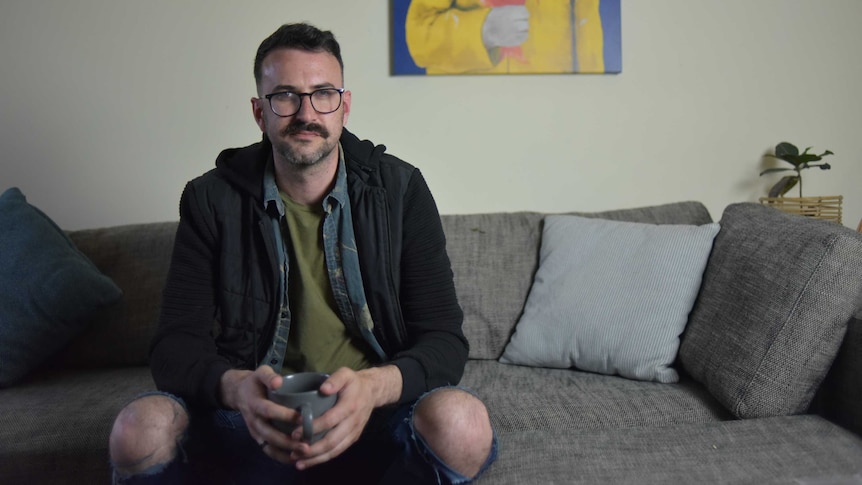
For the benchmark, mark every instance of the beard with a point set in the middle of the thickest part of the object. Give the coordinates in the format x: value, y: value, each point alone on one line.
x: 294, y: 155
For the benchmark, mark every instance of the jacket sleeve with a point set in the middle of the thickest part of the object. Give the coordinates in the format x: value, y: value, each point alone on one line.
x: 437, y: 349
x: 446, y: 37
x: 183, y: 356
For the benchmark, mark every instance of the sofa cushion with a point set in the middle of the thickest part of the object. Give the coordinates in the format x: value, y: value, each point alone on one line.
x: 494, y: 258
x: 136, y: 257
x: 48, y: 289
x: 802, y: 450
x: 54, y: 426
x: 611, y: 297
x: 839, y: 398
x: 777, y: 294
x: 523, y: 398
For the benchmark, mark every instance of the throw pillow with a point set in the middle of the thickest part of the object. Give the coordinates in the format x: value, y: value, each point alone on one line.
x: 611, y: 297
x: 777, y: 295
x: 48, y: 289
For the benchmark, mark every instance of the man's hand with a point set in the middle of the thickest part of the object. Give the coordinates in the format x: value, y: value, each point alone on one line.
x: 506, y: 26
x: 246, y: 391
x: 358, y: 394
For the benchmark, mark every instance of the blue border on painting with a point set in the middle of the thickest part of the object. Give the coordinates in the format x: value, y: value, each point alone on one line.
x: 402, y: 61
x: 609, y: 10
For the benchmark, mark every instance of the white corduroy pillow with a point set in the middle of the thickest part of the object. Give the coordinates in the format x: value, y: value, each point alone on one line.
x: 611, y: 297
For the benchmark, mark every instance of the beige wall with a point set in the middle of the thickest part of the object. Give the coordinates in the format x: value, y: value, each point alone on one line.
x: 110, y: 106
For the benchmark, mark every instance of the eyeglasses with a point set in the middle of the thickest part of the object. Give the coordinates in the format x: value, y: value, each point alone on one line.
x: 288, y: 103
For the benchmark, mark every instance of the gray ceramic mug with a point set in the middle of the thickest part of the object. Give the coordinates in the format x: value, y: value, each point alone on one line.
x: 302, y: 392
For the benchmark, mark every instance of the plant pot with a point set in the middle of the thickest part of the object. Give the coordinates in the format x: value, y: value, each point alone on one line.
x: 826, y: 207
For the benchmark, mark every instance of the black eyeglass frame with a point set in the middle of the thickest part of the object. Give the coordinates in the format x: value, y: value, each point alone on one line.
x: 340, y: 92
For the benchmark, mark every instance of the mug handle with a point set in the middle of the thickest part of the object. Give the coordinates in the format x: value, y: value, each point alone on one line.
x: 307, y: 418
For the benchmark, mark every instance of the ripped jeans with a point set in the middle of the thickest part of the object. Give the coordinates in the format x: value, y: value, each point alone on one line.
x: 218, y: 449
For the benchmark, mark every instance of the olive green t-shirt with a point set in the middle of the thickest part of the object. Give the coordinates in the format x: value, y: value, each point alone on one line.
x: 318, y: 340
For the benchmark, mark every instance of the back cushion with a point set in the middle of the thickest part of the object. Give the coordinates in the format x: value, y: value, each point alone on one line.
x: 136, y: 257
x: 776, y: 297
x: 495, y: 257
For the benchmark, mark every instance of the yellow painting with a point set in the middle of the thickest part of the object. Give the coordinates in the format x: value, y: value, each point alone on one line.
x: 506, y: 36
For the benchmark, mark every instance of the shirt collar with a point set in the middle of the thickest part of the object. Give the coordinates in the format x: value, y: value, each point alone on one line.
x: 339, y: 190
x: 272, y: 199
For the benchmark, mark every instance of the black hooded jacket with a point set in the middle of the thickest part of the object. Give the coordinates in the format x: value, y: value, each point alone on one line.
x: 220, y: 302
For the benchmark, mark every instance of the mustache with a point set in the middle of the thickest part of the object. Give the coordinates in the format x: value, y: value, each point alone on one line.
x: 298, y: 126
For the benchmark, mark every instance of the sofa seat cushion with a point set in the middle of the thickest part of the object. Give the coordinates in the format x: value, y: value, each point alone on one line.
x: 55, y: 422
x: 798, y: 449
x: 528, y: 398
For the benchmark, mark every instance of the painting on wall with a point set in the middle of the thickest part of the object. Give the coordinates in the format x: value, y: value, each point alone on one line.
x: 505, y: 36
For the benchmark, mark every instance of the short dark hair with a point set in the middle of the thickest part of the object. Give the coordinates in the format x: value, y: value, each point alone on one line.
x: 297, y: 36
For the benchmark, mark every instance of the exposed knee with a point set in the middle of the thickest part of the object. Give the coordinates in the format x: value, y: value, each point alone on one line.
x: 146, y: 433
x: 456, y: 426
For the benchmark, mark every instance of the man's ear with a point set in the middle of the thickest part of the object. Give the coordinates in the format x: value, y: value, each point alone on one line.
x: 346, y: 100
x: 257, y: 105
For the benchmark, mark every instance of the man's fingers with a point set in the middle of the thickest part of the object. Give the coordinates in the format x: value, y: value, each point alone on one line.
x: 307, y: 456
x: 279, y: 452
x: 271, y: 411
x: 279, y: 444
x: 270, y: 379
x: 336, y: 381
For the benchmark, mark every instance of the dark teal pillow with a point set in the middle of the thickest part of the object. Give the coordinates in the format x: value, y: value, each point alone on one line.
x: 48, y: 289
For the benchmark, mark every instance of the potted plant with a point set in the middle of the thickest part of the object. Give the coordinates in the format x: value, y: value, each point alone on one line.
x: 821, y: 207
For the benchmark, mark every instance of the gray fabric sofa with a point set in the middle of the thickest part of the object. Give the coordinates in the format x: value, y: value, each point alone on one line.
x: 554, y: 426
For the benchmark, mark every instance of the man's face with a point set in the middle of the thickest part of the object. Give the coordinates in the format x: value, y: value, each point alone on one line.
x: 307, y: 137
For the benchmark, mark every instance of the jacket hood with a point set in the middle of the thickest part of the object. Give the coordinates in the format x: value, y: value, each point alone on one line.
x: 363, y: 152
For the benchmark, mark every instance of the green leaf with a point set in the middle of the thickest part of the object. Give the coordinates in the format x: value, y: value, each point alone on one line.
x: 805, y: 158
x: 785, y: 149
x: 788, y: 152
x: 783, y: 186
x: 775, y: 170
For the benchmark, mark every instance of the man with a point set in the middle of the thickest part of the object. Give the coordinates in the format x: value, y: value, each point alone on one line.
x: 309, y: 251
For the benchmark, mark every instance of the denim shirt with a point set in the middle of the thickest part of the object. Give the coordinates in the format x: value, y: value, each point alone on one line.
x: 342, y: 264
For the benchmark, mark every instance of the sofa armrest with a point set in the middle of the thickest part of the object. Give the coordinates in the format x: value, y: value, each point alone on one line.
x: 839, y: 398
